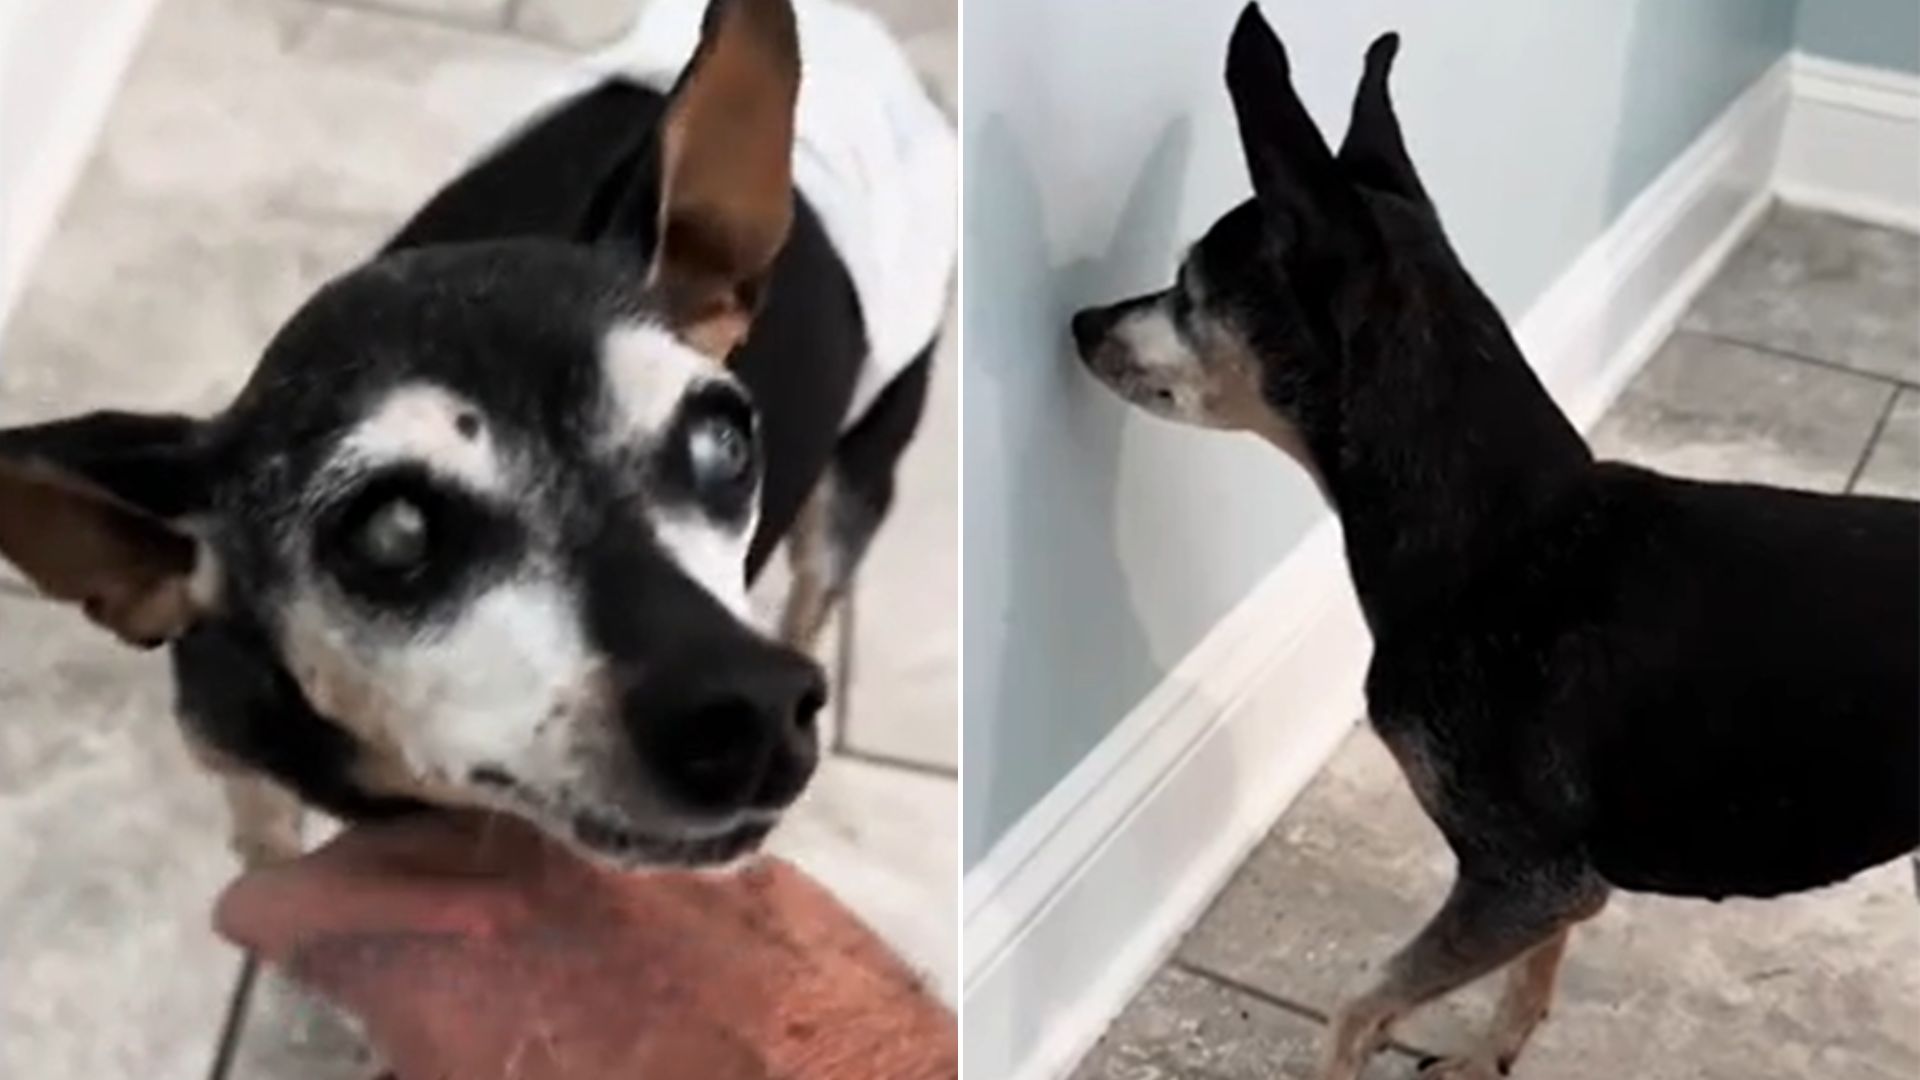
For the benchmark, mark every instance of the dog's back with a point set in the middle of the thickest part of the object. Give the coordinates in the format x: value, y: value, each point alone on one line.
x: 1752, y: 682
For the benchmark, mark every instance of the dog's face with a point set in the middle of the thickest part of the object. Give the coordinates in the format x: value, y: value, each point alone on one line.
x: 1254, y: 331
x: 490, y: 506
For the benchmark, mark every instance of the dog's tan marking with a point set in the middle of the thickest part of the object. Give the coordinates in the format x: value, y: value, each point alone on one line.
x: 266, y: 821
x: 1474, y: 934
x: 1527, y: 1001
x: 808, y: 548
x: 263, y: 818
x: 1524, y: 1003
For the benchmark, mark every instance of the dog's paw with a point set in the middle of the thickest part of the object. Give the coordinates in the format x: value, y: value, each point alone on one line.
x: 1459, y: 1068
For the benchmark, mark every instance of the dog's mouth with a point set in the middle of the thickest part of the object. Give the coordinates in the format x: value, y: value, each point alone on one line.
x: 632, y: 848
x: 614, y: 841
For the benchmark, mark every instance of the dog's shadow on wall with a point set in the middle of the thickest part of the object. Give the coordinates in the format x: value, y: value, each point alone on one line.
x: 1071, y: 654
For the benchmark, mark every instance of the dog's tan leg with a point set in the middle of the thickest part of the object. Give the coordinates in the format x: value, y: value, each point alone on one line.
x: 1487, y: 922
x: 263, y: 818
x: 811, y: 556
x: 1523, y: 1005
x: 266, y: 821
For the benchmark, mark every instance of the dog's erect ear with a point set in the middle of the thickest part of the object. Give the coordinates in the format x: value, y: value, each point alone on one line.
x: 1294, y: 174
x: 726, y: 171
x: 85, y: 506
x: 1374, y: 153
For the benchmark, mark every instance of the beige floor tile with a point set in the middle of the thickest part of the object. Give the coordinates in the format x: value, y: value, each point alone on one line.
x: 257, y: 150
x: 112, y: 848
x: 1821, y: 286
x: 487, y: 13
x: 1712, y: 410
x: 576, y: 24
x: 1187, y: 1027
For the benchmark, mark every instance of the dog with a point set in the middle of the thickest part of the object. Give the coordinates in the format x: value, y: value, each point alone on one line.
x: 479, y: 530
x: 1593, y: 676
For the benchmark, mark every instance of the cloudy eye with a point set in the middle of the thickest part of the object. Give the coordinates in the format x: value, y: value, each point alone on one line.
x: 394, y: 537
x: 720, y: 451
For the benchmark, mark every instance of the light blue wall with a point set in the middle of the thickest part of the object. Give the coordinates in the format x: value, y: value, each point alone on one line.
x: 1102, y: 544
x: 1883, y: 33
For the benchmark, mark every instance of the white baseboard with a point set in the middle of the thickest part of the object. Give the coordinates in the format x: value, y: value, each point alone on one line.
x: 1083, y: 898
x: 1853, y: 142
x: 66, y: 60
x: 1076, y: 906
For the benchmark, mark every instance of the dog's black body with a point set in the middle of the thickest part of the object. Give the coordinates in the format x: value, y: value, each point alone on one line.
x: 1593, y: 675
x: 1702, y: 689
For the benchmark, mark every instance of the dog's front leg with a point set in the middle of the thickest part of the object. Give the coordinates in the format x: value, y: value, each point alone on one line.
x: 263, y: 818
x: 1524, y: 1003
x: 815, y: 569
x: 266, y: 820
x: 1488, y: 921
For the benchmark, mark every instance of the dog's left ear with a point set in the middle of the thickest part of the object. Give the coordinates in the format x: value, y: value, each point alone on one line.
x: 726, y: 172
x: 87, y: 512
x: 1374, y: 153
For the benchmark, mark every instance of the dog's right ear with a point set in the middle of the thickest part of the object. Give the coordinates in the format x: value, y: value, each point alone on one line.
x: 1295, y: 176
x: 726, y: 171
x: 1374, y: 153
x: 87, y: 512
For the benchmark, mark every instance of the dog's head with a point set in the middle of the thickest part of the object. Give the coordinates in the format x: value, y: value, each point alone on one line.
x: 1263, y: 313
x: 489, y: 505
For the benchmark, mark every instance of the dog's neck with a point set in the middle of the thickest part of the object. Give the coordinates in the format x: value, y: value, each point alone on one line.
x: 1447, y: 453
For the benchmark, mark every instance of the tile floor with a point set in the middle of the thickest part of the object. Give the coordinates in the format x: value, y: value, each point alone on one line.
x: 1799, y: 365
x: 257, y: 148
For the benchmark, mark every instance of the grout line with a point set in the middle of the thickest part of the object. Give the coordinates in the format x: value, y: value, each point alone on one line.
x: 1305, y: 1012
x: 1873, y: 440
x: 942, y: 772
x: 237, y: 1008
x: 456, y: 24
x: 1789, y: 354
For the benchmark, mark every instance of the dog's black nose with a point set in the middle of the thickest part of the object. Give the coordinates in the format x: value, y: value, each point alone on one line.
x: 1089, y: 327
x: 731, y: 733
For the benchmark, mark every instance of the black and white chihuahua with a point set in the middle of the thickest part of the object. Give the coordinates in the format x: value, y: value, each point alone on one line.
x: 479, y: 529
x: 1593, y: 676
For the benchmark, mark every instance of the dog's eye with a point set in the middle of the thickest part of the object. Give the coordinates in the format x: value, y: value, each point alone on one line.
x: 721, y: 452
x: 394, y: 537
